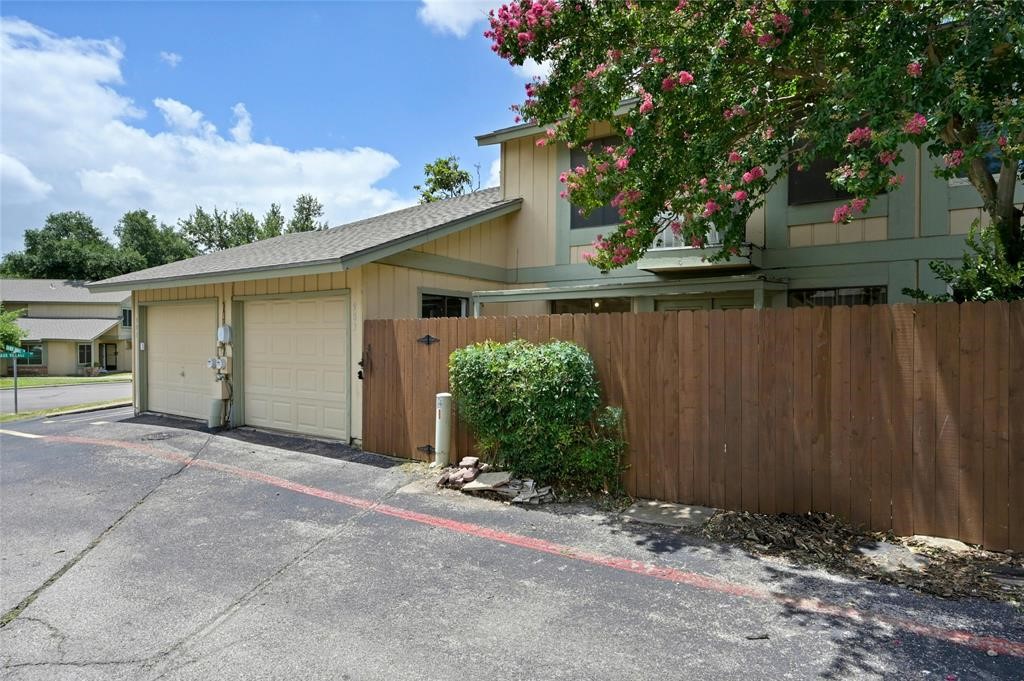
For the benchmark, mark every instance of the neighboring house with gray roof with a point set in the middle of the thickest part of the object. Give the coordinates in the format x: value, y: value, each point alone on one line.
x: 68, y: 327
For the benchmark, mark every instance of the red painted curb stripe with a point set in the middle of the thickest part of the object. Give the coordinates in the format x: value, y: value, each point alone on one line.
x: 1001, y: 646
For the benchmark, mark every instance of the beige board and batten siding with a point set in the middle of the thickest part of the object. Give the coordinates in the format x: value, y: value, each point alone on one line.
x: 487, y: 244
x: 530, y: 172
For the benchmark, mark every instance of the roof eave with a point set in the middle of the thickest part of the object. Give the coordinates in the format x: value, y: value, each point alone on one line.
x: 318, y: 266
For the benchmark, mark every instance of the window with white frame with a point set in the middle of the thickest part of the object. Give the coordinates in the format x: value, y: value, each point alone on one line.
x: 36, y: 358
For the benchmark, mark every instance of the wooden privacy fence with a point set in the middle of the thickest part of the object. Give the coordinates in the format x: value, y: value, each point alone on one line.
x: 902, y: 417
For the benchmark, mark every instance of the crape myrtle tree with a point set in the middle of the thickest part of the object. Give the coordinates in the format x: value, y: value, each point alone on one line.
x: 715, y: 101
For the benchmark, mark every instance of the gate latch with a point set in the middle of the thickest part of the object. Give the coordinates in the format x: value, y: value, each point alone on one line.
x: 428, y: 339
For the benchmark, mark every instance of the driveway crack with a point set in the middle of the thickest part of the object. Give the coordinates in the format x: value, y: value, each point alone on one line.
x: 14, y: 612
x: 229, y: 611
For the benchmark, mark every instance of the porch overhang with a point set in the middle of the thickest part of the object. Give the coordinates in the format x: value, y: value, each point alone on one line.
x: 684, y: 258
x: 758, y: 283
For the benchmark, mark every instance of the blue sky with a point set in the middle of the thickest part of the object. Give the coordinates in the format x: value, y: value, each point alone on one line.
x: 109, y: 107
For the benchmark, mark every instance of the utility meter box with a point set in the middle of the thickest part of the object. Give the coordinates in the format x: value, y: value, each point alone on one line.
x: 224, y: 334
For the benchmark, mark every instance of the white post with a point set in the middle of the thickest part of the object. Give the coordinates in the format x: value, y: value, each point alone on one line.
x: 15, y: 360
x: 442, y: 429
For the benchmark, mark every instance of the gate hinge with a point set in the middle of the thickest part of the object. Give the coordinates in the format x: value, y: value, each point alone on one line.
x: 426, y: 449
x: 428, y: 339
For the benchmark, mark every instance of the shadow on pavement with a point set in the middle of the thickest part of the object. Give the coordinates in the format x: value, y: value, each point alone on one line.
x: 291, y: 443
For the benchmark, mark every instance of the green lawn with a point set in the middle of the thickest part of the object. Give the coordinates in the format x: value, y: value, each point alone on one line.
x: 4, y: 418
x: 34, y: 381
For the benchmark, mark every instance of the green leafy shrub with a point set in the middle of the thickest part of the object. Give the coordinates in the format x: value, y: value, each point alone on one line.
x: 535, y: 411
x: 984, y: 274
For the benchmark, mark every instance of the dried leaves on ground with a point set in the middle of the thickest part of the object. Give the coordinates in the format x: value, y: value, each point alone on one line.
x: 825, y: 540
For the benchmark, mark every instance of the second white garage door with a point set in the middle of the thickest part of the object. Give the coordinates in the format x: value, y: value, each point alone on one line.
x: 296, y: 357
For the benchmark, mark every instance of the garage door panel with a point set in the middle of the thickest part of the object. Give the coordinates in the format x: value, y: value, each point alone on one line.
x: 179, y: 338
x: 305, y: 357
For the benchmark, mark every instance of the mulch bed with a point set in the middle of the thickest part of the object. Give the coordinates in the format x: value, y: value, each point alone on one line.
x: 824, y: 540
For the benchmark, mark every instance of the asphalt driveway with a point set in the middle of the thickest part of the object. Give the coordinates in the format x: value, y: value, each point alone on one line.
x: 135, y: 549
x: 31, y: 399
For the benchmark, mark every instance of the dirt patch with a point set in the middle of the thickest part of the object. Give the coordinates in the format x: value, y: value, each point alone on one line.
x: 822, y: 539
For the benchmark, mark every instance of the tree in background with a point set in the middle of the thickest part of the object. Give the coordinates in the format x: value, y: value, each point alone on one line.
x: 158, y: 244
x: 217, y: 230
x: 723, y: 98
x: 444, y: 179
x: 273, y: 223
x: 306, y: 214
x: 10, y: 332
x: 68, y: 246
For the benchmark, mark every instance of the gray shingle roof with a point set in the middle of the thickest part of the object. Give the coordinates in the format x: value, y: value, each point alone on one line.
x: 55, y: 291
x: 334, y: 245
x: 39, y: 329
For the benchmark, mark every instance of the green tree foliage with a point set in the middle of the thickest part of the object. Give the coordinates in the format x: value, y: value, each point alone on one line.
x: 715, y: 101
x: 536, y: 410
x: 983, y: 274
x: 69, y: 246
x: 10, y: 332
x: 139, y: 231
x: 306, y: 214
x: 217, y: 230
x: 273, y: 223
x: 444, y: 179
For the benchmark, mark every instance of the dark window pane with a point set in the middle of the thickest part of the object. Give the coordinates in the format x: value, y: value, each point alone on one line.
x: 599, y: 217
x: 37, y: 355
x: 126, y: 317
x: 811, y: 185
x: 590, y: 305
x: 861, y: 295
x: 435, y: 305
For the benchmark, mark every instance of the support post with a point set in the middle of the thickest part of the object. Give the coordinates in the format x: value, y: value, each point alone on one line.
x: 442, y: 429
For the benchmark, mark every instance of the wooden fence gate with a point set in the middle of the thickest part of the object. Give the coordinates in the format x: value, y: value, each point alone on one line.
x: 902, y: 417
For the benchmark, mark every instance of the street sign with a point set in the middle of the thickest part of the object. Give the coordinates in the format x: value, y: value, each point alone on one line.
x: 11, y: 352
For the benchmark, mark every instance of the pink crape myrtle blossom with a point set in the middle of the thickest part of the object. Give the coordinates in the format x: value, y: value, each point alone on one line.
x: 841, y: 214
x: 740, y: 195
x: 914, y: 69
x: 710, y: 208
x: 859, y: 137
x: 734, y: 157
x: 859, y: 205
x: 954, y: 158
x: 685, y: 78
x: 887, y: 157
x: 915, y: 125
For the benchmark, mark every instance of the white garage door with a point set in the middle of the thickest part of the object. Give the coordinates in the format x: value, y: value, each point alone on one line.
x: 179, y: 340
x: 296, y: 357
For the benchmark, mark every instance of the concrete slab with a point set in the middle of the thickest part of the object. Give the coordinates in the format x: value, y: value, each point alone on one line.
x: 892, y: 557
x: 664, y: 513
x: 486, y: 481
x: 941, y: 543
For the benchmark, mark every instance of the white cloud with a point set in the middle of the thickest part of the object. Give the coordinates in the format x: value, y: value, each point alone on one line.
x: 494, y: 176
x: 18, y: 182
x: 172, y: 59
x: 242, y: 130
x: 181, y: 118
x: 532, y: 69
x: 454, y: 16
x: 70, y: 141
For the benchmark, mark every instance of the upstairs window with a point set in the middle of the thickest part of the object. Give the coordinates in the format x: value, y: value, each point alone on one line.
x: 126, y: 318
x: 435, y: 305
x: 604, y: 216
x: 811, y: 185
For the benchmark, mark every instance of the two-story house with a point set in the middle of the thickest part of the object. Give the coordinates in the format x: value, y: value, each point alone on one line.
x: 295, y: 304
x: 68, y: 327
